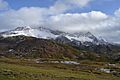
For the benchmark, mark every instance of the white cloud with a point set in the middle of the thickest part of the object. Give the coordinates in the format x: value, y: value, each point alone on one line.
x: 79, y: 21
x: 117, y: 12
x: 3, y: 5
x: 22, y: 17
x: 35, y: 15
x: 61, y: 6
x: 80, y: 3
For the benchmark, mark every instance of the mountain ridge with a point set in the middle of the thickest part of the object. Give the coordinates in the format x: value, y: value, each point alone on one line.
x: 79, y: 41
x: 45, y: 33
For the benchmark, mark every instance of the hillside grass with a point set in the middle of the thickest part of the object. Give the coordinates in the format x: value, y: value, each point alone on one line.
x: 23, y: 69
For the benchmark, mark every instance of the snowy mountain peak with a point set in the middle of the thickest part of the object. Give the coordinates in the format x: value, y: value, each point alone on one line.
x: 85, y: 34
x: 45, y: 33
x: 89, y: 34
x: 22, y: 28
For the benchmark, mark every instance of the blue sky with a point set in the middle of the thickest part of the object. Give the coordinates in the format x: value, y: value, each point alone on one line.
x: 17, y: 4
x: 100, y: 17
x: 106, y: 6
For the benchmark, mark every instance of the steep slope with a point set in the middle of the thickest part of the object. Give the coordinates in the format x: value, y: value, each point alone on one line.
x: 28, y: 31
x: 31, y: 47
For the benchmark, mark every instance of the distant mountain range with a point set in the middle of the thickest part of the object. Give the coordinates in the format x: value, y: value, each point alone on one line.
x: 45, y: 33
x: 44, y: 42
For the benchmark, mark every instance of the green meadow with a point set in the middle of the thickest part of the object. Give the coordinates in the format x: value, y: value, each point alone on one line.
x: 27, y: 69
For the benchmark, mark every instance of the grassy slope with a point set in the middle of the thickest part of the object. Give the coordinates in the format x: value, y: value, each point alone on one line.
x: 14, y: 69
